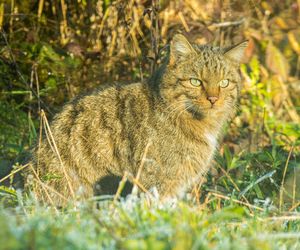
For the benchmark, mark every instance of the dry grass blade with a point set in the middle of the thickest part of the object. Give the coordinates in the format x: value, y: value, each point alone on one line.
x: 234, y: 184
x: 196, y: 191
x: 227, y: 24
x: 155, y: 33
x: 184, y: 23
x: 237, y: 201
x: 121, y: 187
x: 1, y: 14
x: 283, y: 218
x: 40, y: 9
x: 140, y: 185
x: 64, y: 25
x: 14, y: 172
x: 294, y: 206
x: 43, y: 186
x: 229, y: 178
x: 137, y: 177
x: 135, y: 182
x: 55, y: 150
x: 283, y: 177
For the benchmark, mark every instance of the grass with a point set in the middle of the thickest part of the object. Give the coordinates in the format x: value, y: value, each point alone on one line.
x: 54, y: 50
x: 236, y: 209
x: 146, y: 224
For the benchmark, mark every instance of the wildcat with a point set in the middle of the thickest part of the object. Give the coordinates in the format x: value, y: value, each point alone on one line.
x: 178, y: 115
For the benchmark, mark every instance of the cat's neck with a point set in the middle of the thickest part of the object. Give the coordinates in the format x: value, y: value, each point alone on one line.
x: 205, y: 128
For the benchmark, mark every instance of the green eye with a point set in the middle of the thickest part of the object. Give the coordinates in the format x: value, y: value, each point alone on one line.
x: 195, y: 82
x: 224, y: 83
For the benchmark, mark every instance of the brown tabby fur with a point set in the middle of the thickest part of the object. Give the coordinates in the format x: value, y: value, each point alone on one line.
x: 105, y: 133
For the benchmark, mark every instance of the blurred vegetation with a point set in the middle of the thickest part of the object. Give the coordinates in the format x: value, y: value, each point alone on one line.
x: 52, y: 50
x: 134, y: 224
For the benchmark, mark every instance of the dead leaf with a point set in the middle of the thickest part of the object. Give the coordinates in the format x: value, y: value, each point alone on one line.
x: 276, y: 61
x: 278, y: 96
x: 281, y: 23
x: 294, y: 43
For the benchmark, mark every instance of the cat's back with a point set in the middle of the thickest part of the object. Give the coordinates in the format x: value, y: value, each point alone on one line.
x: 105, y: 102
x: 100, y: 123
x: 109, y: 96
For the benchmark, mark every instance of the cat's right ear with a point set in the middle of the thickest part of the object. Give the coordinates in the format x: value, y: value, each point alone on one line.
x: 180, y: 48
x: 236, y: 52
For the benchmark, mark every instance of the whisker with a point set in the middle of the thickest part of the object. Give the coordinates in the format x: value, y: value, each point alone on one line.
x: 185, y: 109
x: 177, y: 106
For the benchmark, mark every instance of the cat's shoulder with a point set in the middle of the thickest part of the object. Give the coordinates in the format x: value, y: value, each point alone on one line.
x: 117, y: 87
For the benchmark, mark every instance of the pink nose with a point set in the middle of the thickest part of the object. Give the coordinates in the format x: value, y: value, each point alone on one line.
x: 212, y: 99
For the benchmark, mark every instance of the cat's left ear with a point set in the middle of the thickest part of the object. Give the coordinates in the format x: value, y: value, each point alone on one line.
x: 180, y: 48
x: 236, y: 52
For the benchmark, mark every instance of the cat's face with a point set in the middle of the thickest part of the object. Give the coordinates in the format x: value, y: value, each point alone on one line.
x: 202, y: 79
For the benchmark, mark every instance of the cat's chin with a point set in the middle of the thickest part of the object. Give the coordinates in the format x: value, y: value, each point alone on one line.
x: 200, y: 112
x: 209, y: 111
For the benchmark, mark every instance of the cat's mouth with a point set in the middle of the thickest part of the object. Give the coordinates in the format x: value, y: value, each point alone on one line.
x: 202, y: 106
x: 199, y: 111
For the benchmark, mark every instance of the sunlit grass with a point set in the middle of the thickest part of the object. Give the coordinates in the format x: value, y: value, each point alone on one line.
x: 143, y: 224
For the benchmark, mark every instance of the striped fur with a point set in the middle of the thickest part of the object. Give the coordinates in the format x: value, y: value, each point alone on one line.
x: 105, y: 133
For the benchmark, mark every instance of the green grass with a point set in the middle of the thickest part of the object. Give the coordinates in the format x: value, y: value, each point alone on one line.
x: 140, y: 224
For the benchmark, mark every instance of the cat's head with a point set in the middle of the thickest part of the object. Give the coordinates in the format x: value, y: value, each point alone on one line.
x: 201, y: 78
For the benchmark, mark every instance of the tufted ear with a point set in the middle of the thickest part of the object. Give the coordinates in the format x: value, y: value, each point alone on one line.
x: 180, y: 48
x: 236, y: 52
